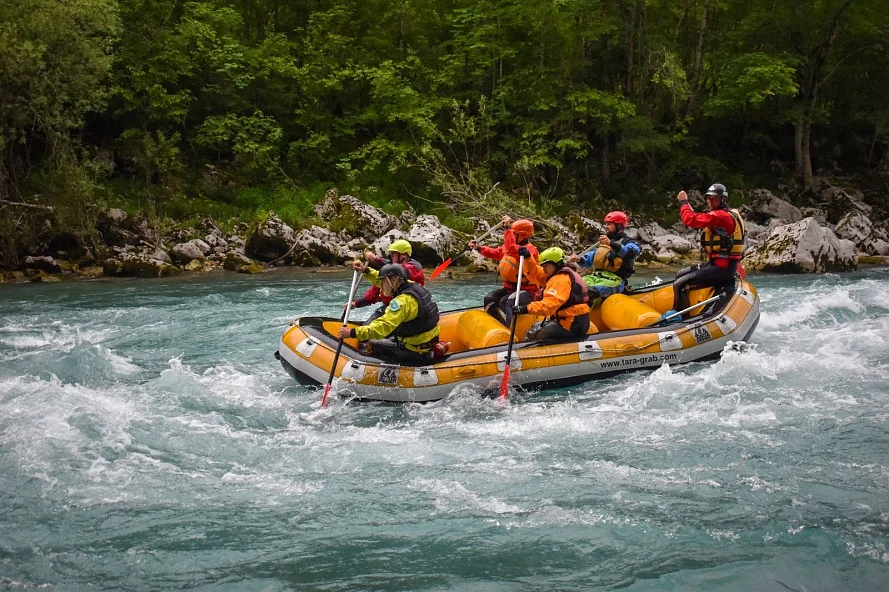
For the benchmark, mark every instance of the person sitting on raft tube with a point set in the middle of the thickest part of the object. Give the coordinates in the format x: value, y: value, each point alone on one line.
x: 723, y: 236
x: 399, y: 252
x: 613, y: 262
x: 518, y: 235
x: 564, y: 299
x: 411, y: 318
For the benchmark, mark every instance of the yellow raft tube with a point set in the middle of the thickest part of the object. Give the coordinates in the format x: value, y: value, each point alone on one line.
x: 624, y: 335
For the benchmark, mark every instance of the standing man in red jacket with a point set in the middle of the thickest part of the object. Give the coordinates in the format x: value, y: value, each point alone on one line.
x: 722, y: 240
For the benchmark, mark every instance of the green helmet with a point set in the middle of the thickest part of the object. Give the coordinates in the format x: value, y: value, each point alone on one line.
x: 400, y: 246
x: 553, y: 255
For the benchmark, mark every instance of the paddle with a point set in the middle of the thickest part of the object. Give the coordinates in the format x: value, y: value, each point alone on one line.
x: 504, y: 386
x: 356, y: 278
x: 693, y: 306
x: 444, y: 264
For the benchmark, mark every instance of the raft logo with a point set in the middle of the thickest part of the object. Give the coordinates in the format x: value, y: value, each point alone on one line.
x: 388, y: 374
x: 701, y: 334
x: 641, y: 361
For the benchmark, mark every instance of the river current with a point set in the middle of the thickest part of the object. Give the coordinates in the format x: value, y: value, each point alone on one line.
x: 150, y: 441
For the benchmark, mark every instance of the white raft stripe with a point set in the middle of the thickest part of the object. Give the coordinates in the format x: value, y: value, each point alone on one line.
x: 588, y: 369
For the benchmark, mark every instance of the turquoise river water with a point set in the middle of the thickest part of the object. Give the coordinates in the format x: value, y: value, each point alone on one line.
x: 150, y: 441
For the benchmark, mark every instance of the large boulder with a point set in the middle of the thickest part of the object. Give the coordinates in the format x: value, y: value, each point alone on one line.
x: 187, y: 252
x: 346, y: 212
x: 43, y: 264
x: 803, y: 247
x: 554, y: 233
x: 765, y: 205
x: 236, y: 259
x: 432, y: 241
x: 837, y: 202
x: 316, y: 245
x: 649, y: 232
x: 270, y: 239
x: 672, y: 243
x: 380, y: 245
x: 138, y: 265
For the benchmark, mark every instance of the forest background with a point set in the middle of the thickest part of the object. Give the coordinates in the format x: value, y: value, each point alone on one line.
x: 173, y: 110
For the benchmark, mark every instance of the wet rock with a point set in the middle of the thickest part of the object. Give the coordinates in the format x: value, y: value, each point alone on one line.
x: 199, y: 266
x: 251, y: 269
x: 93, y: 271
x: 187, y: 252
x: 236, y: 259
x: 357, y: 218
x: 14, y: 276
x: 138, y: 265
x: 803, y: 247
x: 45, y: 278
x: 432, y: 241
x: 270, y: 239
x: 43, y: 264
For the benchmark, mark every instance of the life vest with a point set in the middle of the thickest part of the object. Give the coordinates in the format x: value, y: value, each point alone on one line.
x: 579, y: 292
x: 427, y: 316
x: 721, y: 244
x: 509, y: 273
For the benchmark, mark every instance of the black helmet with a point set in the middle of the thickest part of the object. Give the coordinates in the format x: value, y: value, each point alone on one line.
x: 395, y: 269
x: 718, y: 190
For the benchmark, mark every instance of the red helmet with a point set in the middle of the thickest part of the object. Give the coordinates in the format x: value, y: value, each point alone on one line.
x: 523, y: 229
x: 617, y: 218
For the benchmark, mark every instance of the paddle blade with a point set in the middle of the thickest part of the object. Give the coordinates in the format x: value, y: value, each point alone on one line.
x: 324, y: 398
x: 441, y: 267
x: 742, y: 272
x: 504, y: 386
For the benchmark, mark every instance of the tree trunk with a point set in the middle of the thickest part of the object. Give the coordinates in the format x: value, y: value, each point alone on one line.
x: 698, y: 67
x: 606, y: 166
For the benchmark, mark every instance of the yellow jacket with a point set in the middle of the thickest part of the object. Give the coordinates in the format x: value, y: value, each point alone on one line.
x: 401, y: 309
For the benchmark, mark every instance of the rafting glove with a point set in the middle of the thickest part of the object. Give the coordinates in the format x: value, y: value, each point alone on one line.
x: 520, y: 309
x: 524, y: 252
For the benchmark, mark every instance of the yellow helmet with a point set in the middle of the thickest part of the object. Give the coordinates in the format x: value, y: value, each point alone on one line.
x: 553, y: 255
x: 400, y: 246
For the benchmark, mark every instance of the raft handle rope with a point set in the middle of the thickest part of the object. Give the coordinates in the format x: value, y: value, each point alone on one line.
x: 637, y: 348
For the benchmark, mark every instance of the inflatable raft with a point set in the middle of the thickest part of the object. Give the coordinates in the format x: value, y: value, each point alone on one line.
x: 624, y: 335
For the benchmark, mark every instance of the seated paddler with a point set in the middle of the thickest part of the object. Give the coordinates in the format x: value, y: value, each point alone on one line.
x: 613, y: 261
x: 563, y: 300
x: 407, y: 332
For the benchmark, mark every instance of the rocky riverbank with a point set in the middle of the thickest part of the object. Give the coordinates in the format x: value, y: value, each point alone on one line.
x: 835, y: 231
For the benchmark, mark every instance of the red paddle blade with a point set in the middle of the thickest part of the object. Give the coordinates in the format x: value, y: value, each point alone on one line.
x: 742, y: 272
x: 504, y: 386
x: 324, y: 398
x: 441, y: 267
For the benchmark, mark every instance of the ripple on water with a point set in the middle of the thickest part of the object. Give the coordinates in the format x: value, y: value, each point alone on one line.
x: 145, y: 426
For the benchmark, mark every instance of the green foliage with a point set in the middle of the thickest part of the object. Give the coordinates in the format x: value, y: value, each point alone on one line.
x: 459, y: 106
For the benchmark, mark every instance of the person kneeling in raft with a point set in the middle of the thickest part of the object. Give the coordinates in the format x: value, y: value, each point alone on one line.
x: 613, y: 262
x: 411, y: 319
x: 399, y: 252
x: 498, y: 302
x: 564, y: 299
